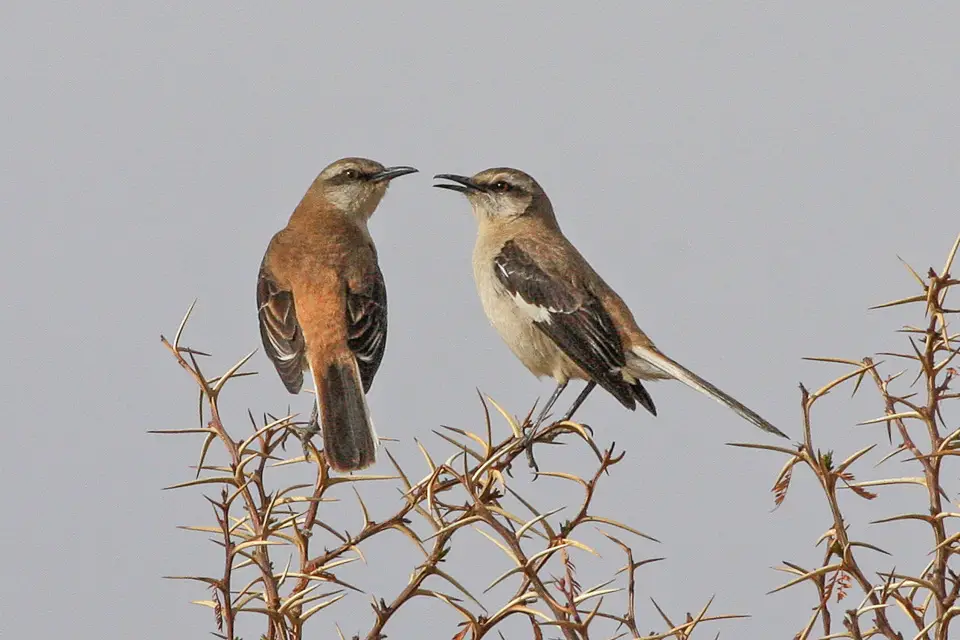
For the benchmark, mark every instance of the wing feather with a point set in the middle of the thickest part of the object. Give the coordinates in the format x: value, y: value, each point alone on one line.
x: 570, y: 315
x: 279, y: 330
x: 367, y: 324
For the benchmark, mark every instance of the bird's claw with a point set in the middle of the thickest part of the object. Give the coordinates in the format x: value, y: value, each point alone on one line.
x: 527, y: 441
x: 305, y: 433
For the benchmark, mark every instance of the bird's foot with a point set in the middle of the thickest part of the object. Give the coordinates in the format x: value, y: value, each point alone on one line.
x: 528, y: 439
x: 305, y: 433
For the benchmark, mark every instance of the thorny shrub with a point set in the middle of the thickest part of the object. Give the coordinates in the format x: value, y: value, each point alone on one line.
x: 257, y: 519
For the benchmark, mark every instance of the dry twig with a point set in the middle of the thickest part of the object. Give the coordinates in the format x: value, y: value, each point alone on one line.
x: 468, y: 491
x: 916, y: 425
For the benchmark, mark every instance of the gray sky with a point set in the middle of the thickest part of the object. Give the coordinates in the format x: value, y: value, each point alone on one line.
x: 744, y: 177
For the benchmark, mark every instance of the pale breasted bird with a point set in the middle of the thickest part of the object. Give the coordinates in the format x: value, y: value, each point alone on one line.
x: 552, y: 309
x: 322, y: 304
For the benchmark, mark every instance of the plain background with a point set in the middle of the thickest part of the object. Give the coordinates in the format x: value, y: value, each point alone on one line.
x: 745, y: 177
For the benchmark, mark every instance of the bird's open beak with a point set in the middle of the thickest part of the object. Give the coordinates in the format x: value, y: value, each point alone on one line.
x: 391, y: 172
x: 462, y: 184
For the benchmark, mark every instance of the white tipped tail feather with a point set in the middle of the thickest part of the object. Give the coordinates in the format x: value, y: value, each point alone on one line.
x: 651, y: 357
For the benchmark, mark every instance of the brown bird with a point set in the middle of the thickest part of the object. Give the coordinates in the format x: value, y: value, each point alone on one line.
x: 552, y: 309
x: 322, y: 304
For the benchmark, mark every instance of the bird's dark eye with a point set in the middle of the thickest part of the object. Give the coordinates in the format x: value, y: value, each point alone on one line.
x: 501, y: 186
x: 351, y: 174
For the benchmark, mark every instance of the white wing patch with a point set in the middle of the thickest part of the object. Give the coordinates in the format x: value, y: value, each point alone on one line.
x: 535, y: 311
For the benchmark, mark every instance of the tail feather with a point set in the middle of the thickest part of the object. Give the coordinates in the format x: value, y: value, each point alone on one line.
x: 679, y: 372
x: 642, y: 396
x: 349, y: 439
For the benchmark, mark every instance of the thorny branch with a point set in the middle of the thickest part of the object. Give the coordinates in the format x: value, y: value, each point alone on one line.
x: 469, y: 490
x: 928, y: 597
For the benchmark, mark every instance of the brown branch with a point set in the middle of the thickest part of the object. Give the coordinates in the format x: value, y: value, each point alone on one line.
x: 937, y: 584
x: 274, y: 516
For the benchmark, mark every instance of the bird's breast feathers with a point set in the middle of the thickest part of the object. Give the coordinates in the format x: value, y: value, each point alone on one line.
x: 513, y: 317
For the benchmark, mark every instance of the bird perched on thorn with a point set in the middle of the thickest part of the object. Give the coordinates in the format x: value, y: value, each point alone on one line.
x: 552, y: 309
x: 322, y: 304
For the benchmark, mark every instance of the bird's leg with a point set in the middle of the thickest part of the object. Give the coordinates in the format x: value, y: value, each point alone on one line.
x: 531, y: 433
x: 552, y: 401
x: 579, y: 401
x: 312, y: 429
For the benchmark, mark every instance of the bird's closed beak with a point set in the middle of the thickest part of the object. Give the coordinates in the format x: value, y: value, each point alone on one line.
x: 462, y: 184
x: 391, y: 172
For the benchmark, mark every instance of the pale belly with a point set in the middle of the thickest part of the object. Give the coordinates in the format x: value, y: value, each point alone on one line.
x: 530, y: 345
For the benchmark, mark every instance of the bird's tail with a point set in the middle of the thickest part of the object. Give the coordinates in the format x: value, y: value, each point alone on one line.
x: 349, y: 439
x: 651, y: 356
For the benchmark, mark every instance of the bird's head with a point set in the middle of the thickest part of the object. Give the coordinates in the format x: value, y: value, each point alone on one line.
x: 500, y: 193
x: 355, y: 186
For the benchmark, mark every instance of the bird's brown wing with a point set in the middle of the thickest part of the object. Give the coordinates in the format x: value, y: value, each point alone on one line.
x: 367, y: 323
x: 281, y: 333
x: 572, y: 316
